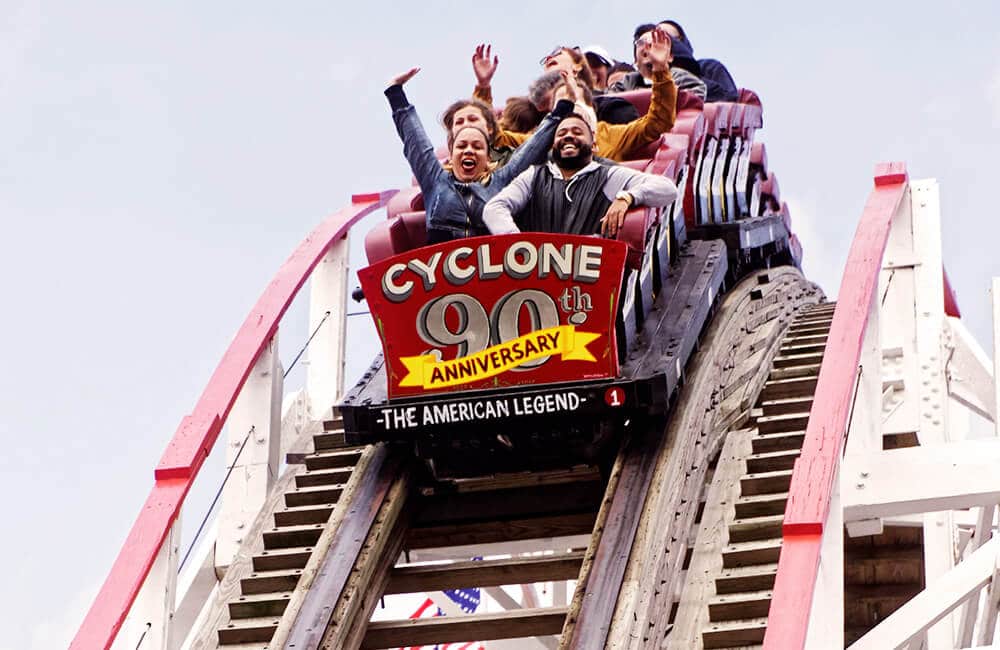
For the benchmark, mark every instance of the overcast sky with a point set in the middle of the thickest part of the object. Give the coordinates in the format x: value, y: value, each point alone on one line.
x: 158, y: 162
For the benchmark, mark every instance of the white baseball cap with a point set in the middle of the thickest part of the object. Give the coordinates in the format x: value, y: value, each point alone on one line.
x: 600, y: 53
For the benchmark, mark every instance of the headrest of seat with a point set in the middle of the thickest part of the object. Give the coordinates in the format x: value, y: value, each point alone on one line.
x: 758, y: 155
x: 639, y: 164
x: 407, y: 199
x: 748, y: 96
x: 639, y: 98
x: 689, y: 101
x: 769, y: 188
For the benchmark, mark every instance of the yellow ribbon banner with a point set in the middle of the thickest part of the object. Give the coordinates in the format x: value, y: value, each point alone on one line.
x: 426, y: 371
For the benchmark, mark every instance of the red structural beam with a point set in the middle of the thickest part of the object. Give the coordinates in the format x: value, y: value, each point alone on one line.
x: 198, y: 431
x: 816, y: 469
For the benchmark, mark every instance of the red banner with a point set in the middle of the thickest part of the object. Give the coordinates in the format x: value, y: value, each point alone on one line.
x: 488, y: 312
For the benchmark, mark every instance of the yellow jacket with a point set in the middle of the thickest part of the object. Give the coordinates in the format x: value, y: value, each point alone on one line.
x: 615, y: 141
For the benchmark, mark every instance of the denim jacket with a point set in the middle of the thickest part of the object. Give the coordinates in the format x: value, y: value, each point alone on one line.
x: 455, y: 209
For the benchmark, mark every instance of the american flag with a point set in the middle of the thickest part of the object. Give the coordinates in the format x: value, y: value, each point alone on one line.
x: 467, y: 600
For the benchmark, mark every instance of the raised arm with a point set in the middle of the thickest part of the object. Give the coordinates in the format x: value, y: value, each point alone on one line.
x: 536, y: 148
x: 484, y: 68
x: 628, y: 188
x: 498, y: 213
x: 417, y: 146
x: 620, y: 141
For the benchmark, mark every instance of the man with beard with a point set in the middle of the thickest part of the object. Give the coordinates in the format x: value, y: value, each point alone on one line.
x: 572, y: 193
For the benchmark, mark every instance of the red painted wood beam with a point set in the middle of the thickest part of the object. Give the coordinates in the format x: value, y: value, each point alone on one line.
x: 950, y: 299
x: 198, y: 431
x: 816, y: 469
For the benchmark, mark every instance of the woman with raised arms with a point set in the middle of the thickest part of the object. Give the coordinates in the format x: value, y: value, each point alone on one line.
x: 455, y: 193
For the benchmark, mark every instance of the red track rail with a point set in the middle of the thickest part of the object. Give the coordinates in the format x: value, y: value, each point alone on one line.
x: 817, y: 467
x: 198, y: 431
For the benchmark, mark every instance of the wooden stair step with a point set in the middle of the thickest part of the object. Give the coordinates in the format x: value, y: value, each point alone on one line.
x: 734, y: 633
x: 292, y: 536
x: 756, y: 529
x: 324, y: 477
x: 750, y: 553
x: 782, y: 423
x: 513, y: 624
x: 788, y: 360
x: 333, y: 459
x: 282, y: 559
x: 765, y: 483
x: 304, y: 515
x: 329, y: 440
x: 792, y: 387
x: 266, y: 582
x: 785, y: 406
x: 250, y: 630
x: 760, y: 505
x: 791, y: 372
x: 259, y: 606
x: 336, y: 423
x: 313, y: 496
x: 736, y: 607
x: 484, y: 573
x: 758, y: 577
x: 802, y: 346
x: 772, y: 461
x: 813, y: 320
x: 808, y: 329
x: 775, y: 442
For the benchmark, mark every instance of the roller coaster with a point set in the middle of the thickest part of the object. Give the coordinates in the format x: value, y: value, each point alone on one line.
x: 667, y: 440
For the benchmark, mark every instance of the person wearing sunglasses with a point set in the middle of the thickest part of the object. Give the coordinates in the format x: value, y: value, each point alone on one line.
x: 685, y: 75
x: 616, y: 142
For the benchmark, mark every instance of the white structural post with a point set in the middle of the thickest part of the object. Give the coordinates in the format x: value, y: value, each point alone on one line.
x: 328, y: 319
x: 255, y: 428
x: 864, y: 436
x: 826, y: 616
x: 987, y: 626
x: 939, y: 532
x: 148, y: 624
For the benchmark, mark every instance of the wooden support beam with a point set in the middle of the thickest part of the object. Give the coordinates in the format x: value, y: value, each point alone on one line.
x: 501, y: 531
x: 484, y: 573
x: 475, y: 627
x: 892, y: 483
x: 934, y: 603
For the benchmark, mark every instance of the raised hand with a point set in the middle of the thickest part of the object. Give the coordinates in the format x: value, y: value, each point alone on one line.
x: 401, y: 79
x: 567, y: 90
x: 483, y: 66
x: 659, y: 52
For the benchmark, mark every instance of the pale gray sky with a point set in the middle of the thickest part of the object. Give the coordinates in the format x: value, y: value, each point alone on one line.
x: 160, y: 160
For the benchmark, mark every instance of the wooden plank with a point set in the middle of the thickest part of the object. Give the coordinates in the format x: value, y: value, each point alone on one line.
x: 766, y: 483
x: 751, y: 318
x: 706, y: 561
x: 600, y: 589
x: 327, y: 572
x: 483, y: 506
x: 501, y: 531
x: 778, y: 442
x: 782, y: 423
x: 758, y: 577
x: 734, y: 633
x: 484, y: 573
x: 733, y: 607
x: 475, y: 627
x: 749, y: 553
x: 772, y: 462
x: 756, y: 529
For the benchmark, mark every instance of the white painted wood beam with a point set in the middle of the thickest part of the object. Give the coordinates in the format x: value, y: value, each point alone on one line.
x: 930, y: 478
x: 969, y: 370
x: 327, y: 295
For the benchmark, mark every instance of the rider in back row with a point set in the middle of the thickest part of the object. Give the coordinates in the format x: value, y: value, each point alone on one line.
x: 550, y: 163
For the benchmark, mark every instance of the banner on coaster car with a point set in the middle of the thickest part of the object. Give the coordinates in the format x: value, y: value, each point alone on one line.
x: 489, y: 312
